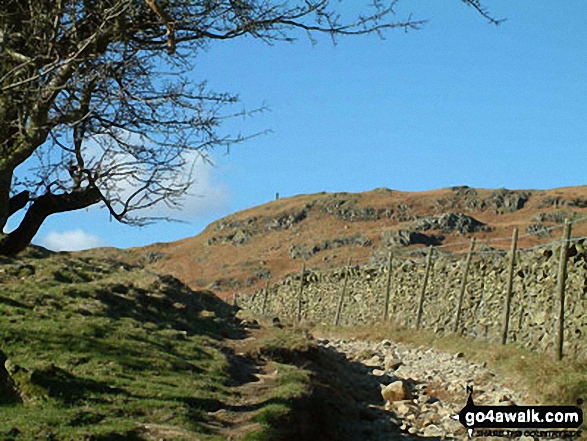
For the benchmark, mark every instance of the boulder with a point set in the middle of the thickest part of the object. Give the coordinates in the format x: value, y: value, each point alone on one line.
x: 396, y: 391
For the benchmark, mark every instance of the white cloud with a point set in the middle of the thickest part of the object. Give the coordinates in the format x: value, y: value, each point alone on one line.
x: 72, y: 240
x: 205, y: 197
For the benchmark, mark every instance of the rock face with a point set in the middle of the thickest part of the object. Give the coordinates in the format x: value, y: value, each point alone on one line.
x: 240, y: 232
x: 450, y: 222
x: 304, y: 251
x: 404, y: 238
x: 345, y: 208
x: 533, y: 308
x: 499, y: 201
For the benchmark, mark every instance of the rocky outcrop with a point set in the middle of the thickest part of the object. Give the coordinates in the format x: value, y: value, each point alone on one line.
x: 347, y: 209
x: 558, y: 201
x: 239, y: 237
x: 305, y: 251
x: 507, y: 201
x: 465, y: 198
x: 241, y: 231
x: 538, y: 230
x: 450, y: 222
x: 404, y: 238
x: 557, y: 216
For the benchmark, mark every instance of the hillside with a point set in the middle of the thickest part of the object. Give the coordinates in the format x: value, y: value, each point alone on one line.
x: 239, y: 252
x: 96, y: 349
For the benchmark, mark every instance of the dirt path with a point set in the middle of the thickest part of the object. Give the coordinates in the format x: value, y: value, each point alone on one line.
x: 346, y: 402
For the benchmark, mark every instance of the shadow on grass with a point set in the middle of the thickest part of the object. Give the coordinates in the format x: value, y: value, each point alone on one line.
x: 241, y: 368
x: 14, y: 303
x: 67, y: 387
x: 171, y: 304
x: 345, y: 403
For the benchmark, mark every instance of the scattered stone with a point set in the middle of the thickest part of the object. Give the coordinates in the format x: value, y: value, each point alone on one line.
x: 403, y: 408
x: 432, y: 430
x: 391, y: 364
x: 374, y: 361
x: 421, y: 374
x: 250, y: 324
x: 395, y: 391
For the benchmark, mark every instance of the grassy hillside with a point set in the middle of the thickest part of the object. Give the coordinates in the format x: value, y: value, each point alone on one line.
x: 98, y: 349
x: 239, y: 252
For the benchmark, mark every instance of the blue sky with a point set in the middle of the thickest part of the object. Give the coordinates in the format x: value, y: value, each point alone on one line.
x: 459, y: 102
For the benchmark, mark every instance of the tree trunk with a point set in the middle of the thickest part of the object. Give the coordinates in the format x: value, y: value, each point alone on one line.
x: 44, y: 206
x: 5, y: 182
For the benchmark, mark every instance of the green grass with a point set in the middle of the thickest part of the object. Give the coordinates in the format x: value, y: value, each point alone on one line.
x: 101, y: 350
x: 275, y: 418
x: 97, y: 347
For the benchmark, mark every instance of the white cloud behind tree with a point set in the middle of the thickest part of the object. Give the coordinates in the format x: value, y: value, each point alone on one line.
x: 71, y: 240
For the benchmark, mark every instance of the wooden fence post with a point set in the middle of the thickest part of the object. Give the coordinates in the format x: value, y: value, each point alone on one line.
x: 508, y: 294
x: 265, y: 295
x: 301, y: 292
x: 423, y: 292
x: 388, y: 287
x: 464, y: 285
x: 561, y: 282
x: 342, y: 293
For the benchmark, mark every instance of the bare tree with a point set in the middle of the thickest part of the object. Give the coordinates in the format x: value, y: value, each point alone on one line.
x: 94, y: 96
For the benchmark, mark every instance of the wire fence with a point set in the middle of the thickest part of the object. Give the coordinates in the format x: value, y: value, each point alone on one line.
x: 440, y: 290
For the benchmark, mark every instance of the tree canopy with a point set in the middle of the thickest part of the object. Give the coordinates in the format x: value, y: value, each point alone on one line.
x: 94, y: 96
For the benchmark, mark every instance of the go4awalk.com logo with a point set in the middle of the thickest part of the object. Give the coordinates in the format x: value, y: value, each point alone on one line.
x: 516, y: 421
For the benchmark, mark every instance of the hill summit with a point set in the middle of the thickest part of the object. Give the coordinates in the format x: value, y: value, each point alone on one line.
x: 238, y: 253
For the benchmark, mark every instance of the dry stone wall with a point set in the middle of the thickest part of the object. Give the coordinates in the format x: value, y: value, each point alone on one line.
x: 533, y: 311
